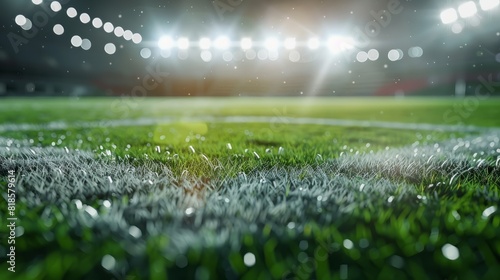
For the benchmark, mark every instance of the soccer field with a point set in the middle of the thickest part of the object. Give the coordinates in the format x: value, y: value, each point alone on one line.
x: 252, y: 188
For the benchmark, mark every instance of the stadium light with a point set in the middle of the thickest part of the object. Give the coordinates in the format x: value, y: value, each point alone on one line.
x: 222, y: 43
x: 467, y: 9
x: 489, y: 4
x: 205, y: 43
x: 290, y: 43
x: 183, y: 43
x: 337, y: 44
x: 449, y: 16
x: 246, y: 43
x: 271, y: 44
x: 165, y: 42
x: 313, y: 43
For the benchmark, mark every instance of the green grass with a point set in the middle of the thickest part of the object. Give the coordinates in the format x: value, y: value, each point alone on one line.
x: 469, y: 111
x: 308, y: 201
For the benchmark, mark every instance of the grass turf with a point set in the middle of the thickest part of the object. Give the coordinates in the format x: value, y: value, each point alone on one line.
x: 204, y: 199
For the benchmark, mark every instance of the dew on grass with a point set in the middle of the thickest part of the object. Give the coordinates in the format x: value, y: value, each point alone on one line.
x: 249, y: 259
x: 189, y: 211
x: 290, y: 225
x: 158, y: 149
x: 108, y: 262
x: 106, y: 203
x: 256, y: 155
x: 450, y: 252
x: 192, y: 149
x: 135, y: 232
x: 281, y: 151
x: 205, y: 158
x: 91, y: 211
x: 348, y: 244
x: 78, y: 204
x: 488, y: 211
x: 390, y: 199
x: 229, y: 147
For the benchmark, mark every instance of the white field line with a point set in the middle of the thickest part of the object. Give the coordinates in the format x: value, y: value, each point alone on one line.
x: 245, y: 119
x: 231, y: 206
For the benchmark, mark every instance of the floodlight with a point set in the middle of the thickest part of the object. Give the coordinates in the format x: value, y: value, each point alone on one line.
x: 165, y: 42
x: 337, y: 44
x: 183, y: 43
x: 205, y: 43
x: 222, y: 43
x: 489, y: 4
x: 271, y: 44
x: 313, y: 43
x: 246, y: 43
x: 290, y: 43
x: 467, y: 9
x: 449, y: 16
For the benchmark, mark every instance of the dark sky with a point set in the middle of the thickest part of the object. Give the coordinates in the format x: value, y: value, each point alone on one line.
x: 50, y: 55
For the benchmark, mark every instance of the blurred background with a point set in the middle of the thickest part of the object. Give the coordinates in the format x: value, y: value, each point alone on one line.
x: 247, y: 48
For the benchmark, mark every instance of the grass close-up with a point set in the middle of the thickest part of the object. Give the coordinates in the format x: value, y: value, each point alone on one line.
x: 262, y: 188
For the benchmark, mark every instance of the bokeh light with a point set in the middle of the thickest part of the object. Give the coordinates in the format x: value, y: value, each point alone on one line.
x: 205, y: 43
x: 86, y: 44
x: 58, y: 29
x: 313, y: 43
x: 395, y: 55
x: 206, y: 56
x: 373, y: 55
x: 146, y: 53
x: 71, y: 12
x: 76, y: 41
x: 271, y: 44
x: 27, y: 25
x: 183, y: 43
x: 108, y: 27
x: 487, y: 5
x: 97, y: 22
x: 415, y: 52
x: 85, y: 18
x: 119, y: 31
x: 20, y: 20
x: 290, y: 43
x: 137, y: 38
x: 110, y: 48
x: 467, y: 9
x: 128, y: 35
x: 246, y: 43
x: 165, y: 42
x: 250, y: 54
x: 222, y: 43
x: 449, y: 16
x: 55, y: 6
